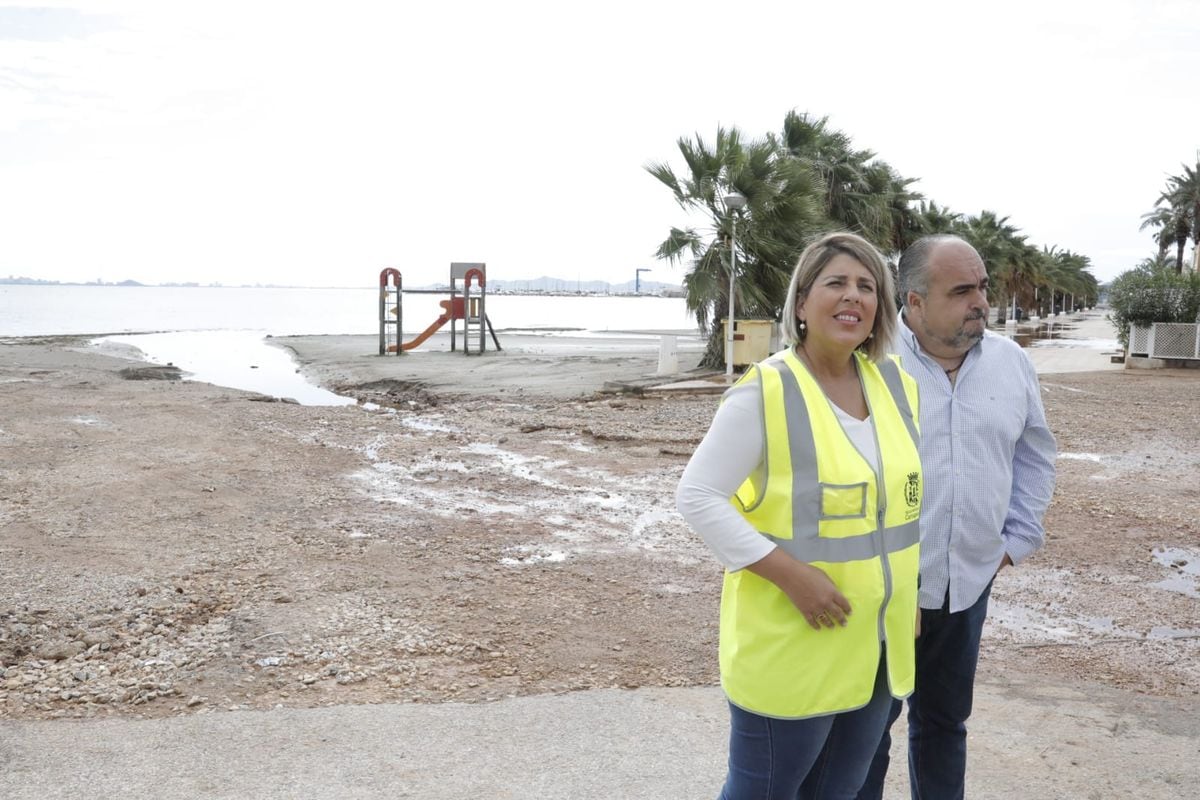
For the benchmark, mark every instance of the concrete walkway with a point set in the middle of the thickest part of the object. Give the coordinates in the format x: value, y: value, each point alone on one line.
x: 1081, y: 342
x: 1028, y: 741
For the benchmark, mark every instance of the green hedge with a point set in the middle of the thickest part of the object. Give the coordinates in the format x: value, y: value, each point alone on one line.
x: 1147, y: 295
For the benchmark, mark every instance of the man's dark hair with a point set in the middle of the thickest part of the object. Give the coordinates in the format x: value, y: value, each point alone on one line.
x: 914, y: 265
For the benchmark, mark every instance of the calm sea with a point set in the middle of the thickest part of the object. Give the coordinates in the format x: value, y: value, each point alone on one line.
x: 217, y: 335
x: 49, y: 310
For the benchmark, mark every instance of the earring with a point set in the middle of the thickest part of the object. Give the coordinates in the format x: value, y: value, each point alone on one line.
x: 803, y: 327
x: 870, y: 336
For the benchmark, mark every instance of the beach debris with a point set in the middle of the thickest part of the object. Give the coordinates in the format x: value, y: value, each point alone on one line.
x: 266, y: 398
x: 391, y: 393
x: 153, y: 372
x: 59, y: 651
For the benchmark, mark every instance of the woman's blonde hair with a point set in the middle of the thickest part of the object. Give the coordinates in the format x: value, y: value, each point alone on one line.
x: 814, y: 259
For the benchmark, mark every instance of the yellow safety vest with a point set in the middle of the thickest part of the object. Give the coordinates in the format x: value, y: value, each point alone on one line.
x: 823, y: 504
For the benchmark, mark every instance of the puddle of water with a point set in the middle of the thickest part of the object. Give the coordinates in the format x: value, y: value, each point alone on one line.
x: 1184, y: 567
x: 420, y: 486
x: 427, y: 425
x: 1049, y: 334
x: 1162, y: 632
x: 1098, y: 624
x: 1028, y: 623
x: 1089, y: 344
x: 646, y: 521
x: 578, y: 447
x: 540, y: 557
x: 519, y: 466
x: 237, y: 359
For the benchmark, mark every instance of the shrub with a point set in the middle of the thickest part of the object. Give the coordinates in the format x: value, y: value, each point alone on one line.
x: 1149, y: 294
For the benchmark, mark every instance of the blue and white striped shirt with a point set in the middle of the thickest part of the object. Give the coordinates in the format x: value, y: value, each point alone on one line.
x: 988, y: 461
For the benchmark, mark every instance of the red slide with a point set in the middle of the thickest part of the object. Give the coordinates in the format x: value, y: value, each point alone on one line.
x: 437, y: 323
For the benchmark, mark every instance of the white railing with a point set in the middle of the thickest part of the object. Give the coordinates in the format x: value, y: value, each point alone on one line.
x: 1166, y: 340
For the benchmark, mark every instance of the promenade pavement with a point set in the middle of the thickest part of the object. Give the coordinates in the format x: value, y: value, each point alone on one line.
x: 1081, y: 342
x: 1033, y: 740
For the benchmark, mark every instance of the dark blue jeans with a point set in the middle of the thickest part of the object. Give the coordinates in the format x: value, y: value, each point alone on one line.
x: 821, y: 758
x: 947, y: 654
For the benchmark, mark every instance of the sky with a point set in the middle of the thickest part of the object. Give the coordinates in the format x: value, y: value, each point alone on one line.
x: 314, y: 144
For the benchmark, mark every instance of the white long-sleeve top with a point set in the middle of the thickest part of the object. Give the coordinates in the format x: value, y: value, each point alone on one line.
x: 735, y: 449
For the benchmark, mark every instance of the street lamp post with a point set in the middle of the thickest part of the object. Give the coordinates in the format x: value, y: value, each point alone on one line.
x: 637, y: 279
x: 734, y: 203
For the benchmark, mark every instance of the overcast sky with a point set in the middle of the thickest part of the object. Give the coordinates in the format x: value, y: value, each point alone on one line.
x: 314, y: 144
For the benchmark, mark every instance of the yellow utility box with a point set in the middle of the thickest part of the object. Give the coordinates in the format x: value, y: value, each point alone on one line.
x: 751, y: 339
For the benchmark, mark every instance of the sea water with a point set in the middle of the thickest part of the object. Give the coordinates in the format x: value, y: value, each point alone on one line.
x: 42, y: 310
x: 218, y: 335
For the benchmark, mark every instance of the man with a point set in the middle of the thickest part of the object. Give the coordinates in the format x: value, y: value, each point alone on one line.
x: 988, y: 460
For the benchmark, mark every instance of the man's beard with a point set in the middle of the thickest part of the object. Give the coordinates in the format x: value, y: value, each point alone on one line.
x: 962, y: 338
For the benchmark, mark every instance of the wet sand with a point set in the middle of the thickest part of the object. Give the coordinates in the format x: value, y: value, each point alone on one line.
x: 536, y: 365
x: 571, y: 366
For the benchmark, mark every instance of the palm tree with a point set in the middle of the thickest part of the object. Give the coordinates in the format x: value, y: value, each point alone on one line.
x: 1024, y: 275
x: 1160, y: 220
x: 932, y: 219
x: 1079, y: 283
x: 861, y: 192
x: 1182, y: 196
x: 901, y: 225
x: 1003, y: 252
x: 1067, y: 279
x: 783, y: 210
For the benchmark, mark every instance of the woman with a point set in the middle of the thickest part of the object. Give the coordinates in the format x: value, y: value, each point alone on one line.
x: 808, y: 488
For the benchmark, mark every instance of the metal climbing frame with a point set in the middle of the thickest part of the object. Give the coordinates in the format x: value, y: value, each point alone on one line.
x: 473, y: 311
x: 476, y: 324
x: 469, y: 307
x: 391, y: 311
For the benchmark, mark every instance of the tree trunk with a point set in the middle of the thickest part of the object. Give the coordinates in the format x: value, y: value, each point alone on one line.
x: 714, y: 351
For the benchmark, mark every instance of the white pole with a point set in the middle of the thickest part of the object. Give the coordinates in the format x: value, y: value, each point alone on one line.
x: 729, y: 327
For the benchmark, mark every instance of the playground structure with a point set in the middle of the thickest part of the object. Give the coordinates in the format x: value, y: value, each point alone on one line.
x: 469, y: 307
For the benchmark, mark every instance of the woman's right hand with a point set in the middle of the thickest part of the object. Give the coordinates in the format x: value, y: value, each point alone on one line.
x: 815, y: 596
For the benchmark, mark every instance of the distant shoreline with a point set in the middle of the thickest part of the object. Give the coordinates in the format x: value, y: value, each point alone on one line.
x: 417, y: 289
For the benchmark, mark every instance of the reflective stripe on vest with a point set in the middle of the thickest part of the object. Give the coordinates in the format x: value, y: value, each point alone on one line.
x: 890, y: 372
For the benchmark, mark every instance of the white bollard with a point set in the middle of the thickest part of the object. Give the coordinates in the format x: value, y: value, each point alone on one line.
x: 668, y: 356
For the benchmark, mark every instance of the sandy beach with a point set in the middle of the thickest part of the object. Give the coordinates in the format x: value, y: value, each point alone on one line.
x: 573, y: 366
x: 545, y: 367
x: 494, y: 539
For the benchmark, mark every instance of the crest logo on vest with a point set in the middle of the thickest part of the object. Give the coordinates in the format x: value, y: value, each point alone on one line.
x: 912, y: 489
